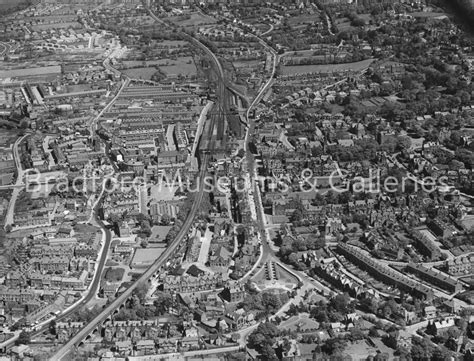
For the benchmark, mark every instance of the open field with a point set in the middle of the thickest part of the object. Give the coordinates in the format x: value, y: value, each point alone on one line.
x: 143, y: 258
x: 159, y: 232
x: 10, y: 4
x: 295, y: 60
x: 65, y: 25
x: 301, y: 322
x: 247, y: 64
x: 173, y: 43
x: 114, y: 274
x: 196, y: 19
x: 299, y: 53
x: 428, y: 14
x: 344, y: 25
x: 365, y: 17
x: 326, y: 68
x: 85, y: 228
x: 140, y: 73
x: 303, y: 19
x: 183, y: 65
x: 468, y: 221
x: 163, y: 193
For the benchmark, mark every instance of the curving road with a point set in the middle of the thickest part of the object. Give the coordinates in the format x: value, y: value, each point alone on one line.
x: 94, y: 123
x: 19, y: 184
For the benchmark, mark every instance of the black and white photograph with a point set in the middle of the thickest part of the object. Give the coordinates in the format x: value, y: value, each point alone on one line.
x: 233, y: 180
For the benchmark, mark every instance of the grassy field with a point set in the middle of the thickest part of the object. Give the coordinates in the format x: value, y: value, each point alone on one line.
x: 183, y: 65
x: 427, y: 14
x: 174, y: 43
x: 114, y: 274
x: 140, y: 73
x: 196, y: 19
x: 344, y: 25
x: 326, y: 68
x: 302, y: 322
x: 303, y: 19
x: 299, y: 53
x: 159, y: 232
x: 296, y: 59
x: 9, y: 4
x: 66, y: 25
x: 85, y: 228
x: 247, y: 64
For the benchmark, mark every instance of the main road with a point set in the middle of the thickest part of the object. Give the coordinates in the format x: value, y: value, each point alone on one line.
x: 66, y: 349
x: 250, y: 158
x: 95, y: 120
x: 19, y: 184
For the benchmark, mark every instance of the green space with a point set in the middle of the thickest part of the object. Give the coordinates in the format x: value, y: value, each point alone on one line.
x: 114, y: 274
x: 10, y: 5
x: 194, y: 19
x: 140, y: 73
x: 326, y: 68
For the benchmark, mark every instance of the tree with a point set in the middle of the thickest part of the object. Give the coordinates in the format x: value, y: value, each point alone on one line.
x: 334, y: 346
x: 24, y: 123
x: 141, y: 291
x: 381, y: 356
x: 421, y: 349
x: 456, y: 165
x: 162, y: 303
x: 19, y: 324
x: 237, y: 356
x: 165, y: 219
x: 145, y: 227
x: 271, y: 301
x: 340, y: 303
x: 297, y: 215
x: 266, y: 332
x: 267, y: 352
x: 403, y: 143
x: 356, y: 334
x: 52, y: 327
x: 373, y: 332
x: 24, y: 338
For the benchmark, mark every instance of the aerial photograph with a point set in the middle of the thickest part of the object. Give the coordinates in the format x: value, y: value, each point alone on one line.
x: 232, y: 180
